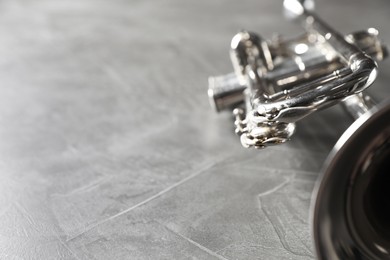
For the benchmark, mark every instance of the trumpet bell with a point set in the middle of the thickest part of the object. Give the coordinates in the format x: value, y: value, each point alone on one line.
x: 351, y: 201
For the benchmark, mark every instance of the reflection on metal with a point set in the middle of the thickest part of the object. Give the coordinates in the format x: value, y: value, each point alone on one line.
x: 276, y: 83
x: 350, y: 209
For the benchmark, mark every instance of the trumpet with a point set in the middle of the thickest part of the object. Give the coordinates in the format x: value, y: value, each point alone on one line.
x: 278, y: 82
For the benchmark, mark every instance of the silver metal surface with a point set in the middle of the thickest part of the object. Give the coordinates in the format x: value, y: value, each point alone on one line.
x: 281, y: 82
x: 109, y: 149
x: 350, y: 218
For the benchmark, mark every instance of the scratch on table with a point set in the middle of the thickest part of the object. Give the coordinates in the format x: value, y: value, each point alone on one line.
x: 276, y: 188
x: 300, y: 239
x: 88, y: 187
x: 203, y: 248
x: 278, y: 233
x: 25, y: 213
x: 159, y: 194
x: 67, y: 247
x: 281, y: 238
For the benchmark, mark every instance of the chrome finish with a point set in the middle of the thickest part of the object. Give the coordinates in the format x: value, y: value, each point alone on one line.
x: 276, y: 83
x: 350, y: 205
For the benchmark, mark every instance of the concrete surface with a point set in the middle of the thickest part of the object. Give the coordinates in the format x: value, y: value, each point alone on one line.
x: 108, y: 147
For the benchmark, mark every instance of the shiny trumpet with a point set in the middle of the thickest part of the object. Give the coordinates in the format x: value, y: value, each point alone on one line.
x: 278, y: 82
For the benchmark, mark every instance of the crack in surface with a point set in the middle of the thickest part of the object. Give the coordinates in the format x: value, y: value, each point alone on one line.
x: 67, y: 247
x: 159, y: 194
x: 83, y: 189
x: 276, y: 188
x: 203, y: 248
x: 282, y: 240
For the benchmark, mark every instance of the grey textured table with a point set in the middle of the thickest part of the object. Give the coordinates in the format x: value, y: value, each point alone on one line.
x: 109, y: 149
